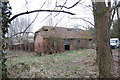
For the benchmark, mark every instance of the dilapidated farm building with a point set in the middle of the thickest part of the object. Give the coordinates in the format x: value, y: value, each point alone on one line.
x: 56, y: 39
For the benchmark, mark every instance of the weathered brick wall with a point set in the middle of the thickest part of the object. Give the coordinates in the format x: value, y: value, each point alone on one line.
x: 54, y: 45
x: 38, y: 45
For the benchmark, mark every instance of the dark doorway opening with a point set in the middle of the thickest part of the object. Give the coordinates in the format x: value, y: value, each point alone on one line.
x: 67, y: 47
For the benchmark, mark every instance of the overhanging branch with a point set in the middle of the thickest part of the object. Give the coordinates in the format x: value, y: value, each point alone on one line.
x: 28, y: 12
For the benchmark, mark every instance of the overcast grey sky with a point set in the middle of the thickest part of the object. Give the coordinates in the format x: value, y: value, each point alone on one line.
x: 80, y: 10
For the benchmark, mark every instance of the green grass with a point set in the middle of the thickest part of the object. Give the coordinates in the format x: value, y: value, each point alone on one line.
x: 55, y: 65
x: 63, y: 54
x: 22, y: 59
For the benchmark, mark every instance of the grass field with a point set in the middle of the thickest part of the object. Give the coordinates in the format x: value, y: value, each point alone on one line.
x: 70, y: 64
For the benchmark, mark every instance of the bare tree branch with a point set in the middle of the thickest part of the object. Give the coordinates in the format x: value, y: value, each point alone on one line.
x: 87, y: 6
x: 28, y: 12
x: 61, y: 7
x: 34, y: 18
x: 59, y: 21
x: 84, y: 20
x: 45, y: 18
x: 69, y: 7
x: 20, y: 33
x: 26, y: 2
x: 113, y: 16
x: 115, y: 7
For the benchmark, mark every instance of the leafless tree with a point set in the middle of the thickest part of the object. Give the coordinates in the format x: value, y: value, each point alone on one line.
x: 103, y: 18
x: 18, y: 26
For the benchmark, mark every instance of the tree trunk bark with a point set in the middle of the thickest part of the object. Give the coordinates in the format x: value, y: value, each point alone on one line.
x: 118, y: 27
x: 119, y: 48
x: 103, y: 50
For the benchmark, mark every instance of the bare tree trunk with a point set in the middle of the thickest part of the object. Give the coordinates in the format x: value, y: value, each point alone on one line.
x: 103, y: 49
x: 102, y: 26
x: 118, y: 27
x: 119, y: 48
